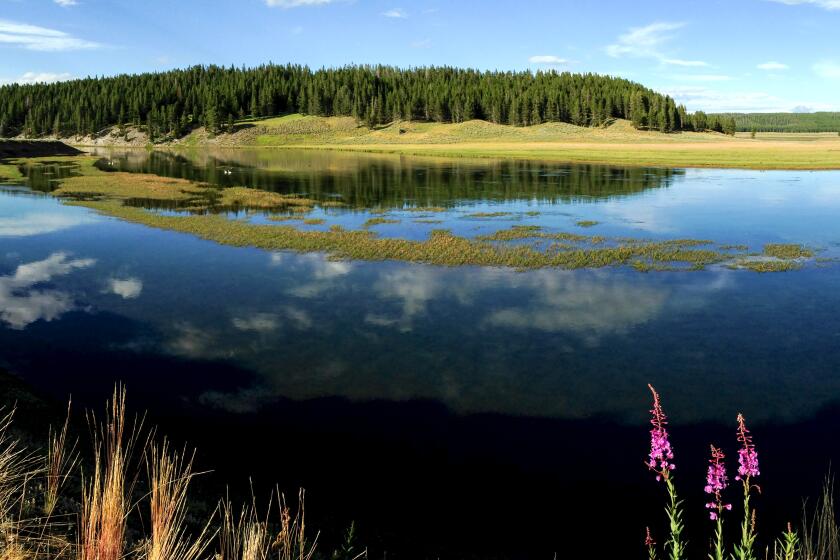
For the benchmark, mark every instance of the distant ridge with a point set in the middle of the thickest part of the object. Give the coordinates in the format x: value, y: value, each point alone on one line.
x: 785, y: 122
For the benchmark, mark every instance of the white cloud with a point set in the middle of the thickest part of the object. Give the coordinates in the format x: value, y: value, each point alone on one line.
x: 66, y: 3
x: 395, y: 13
x: 128, y: 288
x: 647, y: 42
x: 44, y: 77
x: 827, y: 69
x: 296, y: 3
x: 35, y: 38
x: 21, y: 304
x: 714, y: 101
x: 548, y: 59
x: 825, y: 4
x: 772, y: 65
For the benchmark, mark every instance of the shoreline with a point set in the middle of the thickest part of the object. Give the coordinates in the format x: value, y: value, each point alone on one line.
x: 706, y: 155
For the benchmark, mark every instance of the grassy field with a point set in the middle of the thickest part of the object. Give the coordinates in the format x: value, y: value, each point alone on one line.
x: 618, y: 143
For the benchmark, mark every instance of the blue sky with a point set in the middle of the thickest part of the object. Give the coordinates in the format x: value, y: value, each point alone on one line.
x: 714, y: 55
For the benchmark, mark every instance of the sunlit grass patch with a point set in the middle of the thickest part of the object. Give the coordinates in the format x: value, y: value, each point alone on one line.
x: 488, y: 215
x: 10, y: 172
x: 787, y: 251
x: 425, y: 209
x: 314, y: 221
x: 587, y: 223
x: 378, y: 221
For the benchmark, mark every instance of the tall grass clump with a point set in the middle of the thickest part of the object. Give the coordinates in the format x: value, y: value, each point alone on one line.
x: 820, y: 533
x: 169, y: 476
x: 60, y: 462
x: 106, y: 495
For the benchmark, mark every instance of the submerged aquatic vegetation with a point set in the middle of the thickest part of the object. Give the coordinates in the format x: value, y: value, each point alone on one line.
x: 125, y: 195
x: 787, y: 251
x: 379, y: 221
x: 488, y: 215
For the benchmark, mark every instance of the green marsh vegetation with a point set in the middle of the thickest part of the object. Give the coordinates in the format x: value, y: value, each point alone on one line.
x: 587, y: 223
x: 519, y: 247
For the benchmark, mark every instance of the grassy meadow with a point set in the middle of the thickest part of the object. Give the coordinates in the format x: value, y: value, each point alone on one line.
x: 616, y: 143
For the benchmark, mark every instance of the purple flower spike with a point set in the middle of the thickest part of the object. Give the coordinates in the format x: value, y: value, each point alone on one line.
x: 716, y: 482
x: 661, y: 454
x: 747, y: 456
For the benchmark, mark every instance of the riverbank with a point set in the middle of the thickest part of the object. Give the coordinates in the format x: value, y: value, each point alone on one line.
x: 616, y: 144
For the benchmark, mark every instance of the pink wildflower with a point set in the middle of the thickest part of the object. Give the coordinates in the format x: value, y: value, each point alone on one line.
x: 716, y: 482
x: 661, y: 454
x: 747, y: 456
x: 649, y: 542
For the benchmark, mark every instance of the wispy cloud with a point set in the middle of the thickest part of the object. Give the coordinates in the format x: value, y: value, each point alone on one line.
x: 711, y: 100
x: 703, y: 77
x: 395, y: 13
x: 421, y: 44
x: 66, y: 3
x: 44, y: 77
x: 827, y: 69
x: 35, y: 38
x: 648, y: 42
x: 772, y: 65
x: 825, y: 4
x: 296, y: 3
x: 548, y: 59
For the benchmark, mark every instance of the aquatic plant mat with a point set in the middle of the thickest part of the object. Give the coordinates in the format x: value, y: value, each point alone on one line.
x: 201, y: 209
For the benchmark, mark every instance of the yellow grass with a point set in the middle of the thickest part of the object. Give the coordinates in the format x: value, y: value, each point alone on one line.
x: 619, y: 143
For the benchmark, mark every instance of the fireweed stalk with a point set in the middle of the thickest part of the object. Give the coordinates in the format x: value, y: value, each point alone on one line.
x: 747, y: 470
x: 716, y: 483
x: 650, y: 544
x: 660, y: 461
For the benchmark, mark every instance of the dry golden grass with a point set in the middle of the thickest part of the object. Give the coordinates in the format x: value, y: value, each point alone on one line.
x: 106, y: 496
x: 169, y: 477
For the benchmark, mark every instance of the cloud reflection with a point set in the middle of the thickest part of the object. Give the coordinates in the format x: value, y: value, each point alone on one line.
x: 21, y: 304
x: 128, y: 288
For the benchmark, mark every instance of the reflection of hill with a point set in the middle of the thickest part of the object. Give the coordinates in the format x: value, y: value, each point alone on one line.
x: 365, y: 180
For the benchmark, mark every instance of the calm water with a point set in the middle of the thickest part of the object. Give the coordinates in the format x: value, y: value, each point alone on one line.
x: 445, y: 409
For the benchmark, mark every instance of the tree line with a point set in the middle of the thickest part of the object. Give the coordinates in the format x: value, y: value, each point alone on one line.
x: 785, y: 122
x: 174, y: 102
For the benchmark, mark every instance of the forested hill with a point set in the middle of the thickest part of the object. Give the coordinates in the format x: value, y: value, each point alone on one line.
x: 172, y: 103
x: 785, y: 122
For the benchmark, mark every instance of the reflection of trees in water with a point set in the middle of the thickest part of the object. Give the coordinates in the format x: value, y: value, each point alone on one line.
x: 366, y: 180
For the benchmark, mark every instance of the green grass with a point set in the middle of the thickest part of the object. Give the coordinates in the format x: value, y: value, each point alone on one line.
x: 488, y: 215
x: 378, y: 221
x: 587, y: 223
x: 520, y: 246
x: 787, y: 251
x: 618, y: 144
x: 10, y: 172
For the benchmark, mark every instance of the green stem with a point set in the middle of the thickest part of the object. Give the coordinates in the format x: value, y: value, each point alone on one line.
x: 744, y: 551
x: 675, y: 545
x: 718, y: 551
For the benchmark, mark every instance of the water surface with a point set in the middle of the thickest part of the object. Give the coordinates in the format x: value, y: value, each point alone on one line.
x: 416, y: 389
